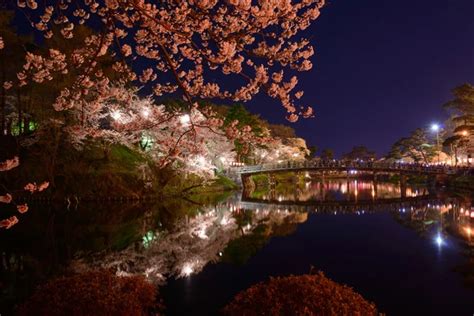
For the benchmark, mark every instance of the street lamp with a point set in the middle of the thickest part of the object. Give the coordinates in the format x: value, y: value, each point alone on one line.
x: 435, y: 128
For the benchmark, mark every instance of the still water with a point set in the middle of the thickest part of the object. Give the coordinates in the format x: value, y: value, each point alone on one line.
x: 410, y: 255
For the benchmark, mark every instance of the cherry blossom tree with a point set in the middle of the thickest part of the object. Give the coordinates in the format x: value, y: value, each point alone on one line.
x: 195, y: 141
x: 173, y: 45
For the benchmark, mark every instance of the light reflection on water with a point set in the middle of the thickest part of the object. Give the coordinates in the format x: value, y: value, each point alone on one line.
x: 339, y: 190
x: 237, y: 229
x: 206, y: 237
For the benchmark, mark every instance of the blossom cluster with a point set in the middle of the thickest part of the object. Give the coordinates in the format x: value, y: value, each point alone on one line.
x: 196, y: 141
x: 258, y: 42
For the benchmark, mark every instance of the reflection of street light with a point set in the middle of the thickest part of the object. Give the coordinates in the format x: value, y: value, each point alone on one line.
x: 439, y: 240
x: 435, y: 128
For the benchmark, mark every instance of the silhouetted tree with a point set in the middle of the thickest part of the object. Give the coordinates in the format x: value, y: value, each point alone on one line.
x: 359, y: 153
x: 327, y: 154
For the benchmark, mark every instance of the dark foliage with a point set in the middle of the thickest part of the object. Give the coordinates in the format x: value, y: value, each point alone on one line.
x: 94, y: 293
x: 310, y: 294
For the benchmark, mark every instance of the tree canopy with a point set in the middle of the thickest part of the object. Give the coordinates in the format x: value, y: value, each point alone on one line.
x: 359, y: 153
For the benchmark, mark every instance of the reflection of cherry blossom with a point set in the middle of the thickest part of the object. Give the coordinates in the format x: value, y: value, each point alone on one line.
x: 7, y: 198
x: 190, y: 245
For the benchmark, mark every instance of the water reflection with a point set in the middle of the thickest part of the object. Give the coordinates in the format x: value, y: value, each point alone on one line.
x: 179, y: 238
x: 236, y: 229
x: 337, y: 190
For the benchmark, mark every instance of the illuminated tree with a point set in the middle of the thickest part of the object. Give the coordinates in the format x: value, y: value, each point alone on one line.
x: 461, y: 108
x: 177, y: 44
x: 416, y: 146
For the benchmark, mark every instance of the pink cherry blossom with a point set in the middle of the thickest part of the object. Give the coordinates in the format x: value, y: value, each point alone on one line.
x: 9, y: 164
x: 7, y: 198
x: 183, y: 44
x: 9, y: 222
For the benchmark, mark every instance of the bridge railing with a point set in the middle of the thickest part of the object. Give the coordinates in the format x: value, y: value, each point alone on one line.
x: 356, y: 165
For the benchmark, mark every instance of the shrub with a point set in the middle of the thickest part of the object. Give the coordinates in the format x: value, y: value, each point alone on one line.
x: 94, y: 293
x: 310, y: 294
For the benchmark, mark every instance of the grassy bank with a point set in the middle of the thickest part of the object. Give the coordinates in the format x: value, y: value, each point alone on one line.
x: 102, y: 172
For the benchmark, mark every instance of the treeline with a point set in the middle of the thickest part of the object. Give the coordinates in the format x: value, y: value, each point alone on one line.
x: 451, y: 142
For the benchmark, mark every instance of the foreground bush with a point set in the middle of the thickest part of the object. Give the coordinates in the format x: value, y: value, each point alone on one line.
x: 311, y: 294
x: 94, y: 293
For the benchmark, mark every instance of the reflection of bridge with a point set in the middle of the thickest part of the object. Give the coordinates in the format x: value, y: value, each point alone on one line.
x: 344, y: 166
x: 339, y: 206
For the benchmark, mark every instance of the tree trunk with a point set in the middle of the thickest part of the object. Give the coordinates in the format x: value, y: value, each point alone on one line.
x: 2, y: 102
x: 20, y: 111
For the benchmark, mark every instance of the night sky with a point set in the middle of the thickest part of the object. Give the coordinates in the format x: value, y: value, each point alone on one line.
x: 381, y: 69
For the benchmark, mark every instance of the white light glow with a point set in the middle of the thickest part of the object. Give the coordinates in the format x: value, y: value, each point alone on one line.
x: 116, y: 115
x: 187, y: 270
x: 185, y: 119
x: 435, y: 127
x: 146, y: 112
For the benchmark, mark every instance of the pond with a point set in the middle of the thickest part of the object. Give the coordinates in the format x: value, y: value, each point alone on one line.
x: 410, y: 255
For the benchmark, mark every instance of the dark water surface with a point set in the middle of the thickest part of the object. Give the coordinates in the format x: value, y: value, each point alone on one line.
x: 385, y: 262
x: 410, y: 255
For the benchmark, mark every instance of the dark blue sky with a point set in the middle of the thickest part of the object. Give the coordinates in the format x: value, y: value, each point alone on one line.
x: 382, y: 69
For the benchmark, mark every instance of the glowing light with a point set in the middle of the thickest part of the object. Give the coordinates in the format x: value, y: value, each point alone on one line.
x: 468, y: 230
x: 472, y: 214
x: 202, y: 234
x: 224, y: 221
x: 146, y: 112
x: 435, y: 127
x: 185, y: 119
x: 464, y: 133
x: 439, y: 240
x: 187, y: 270
x: 116, y: 115
x: 200, y: 161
